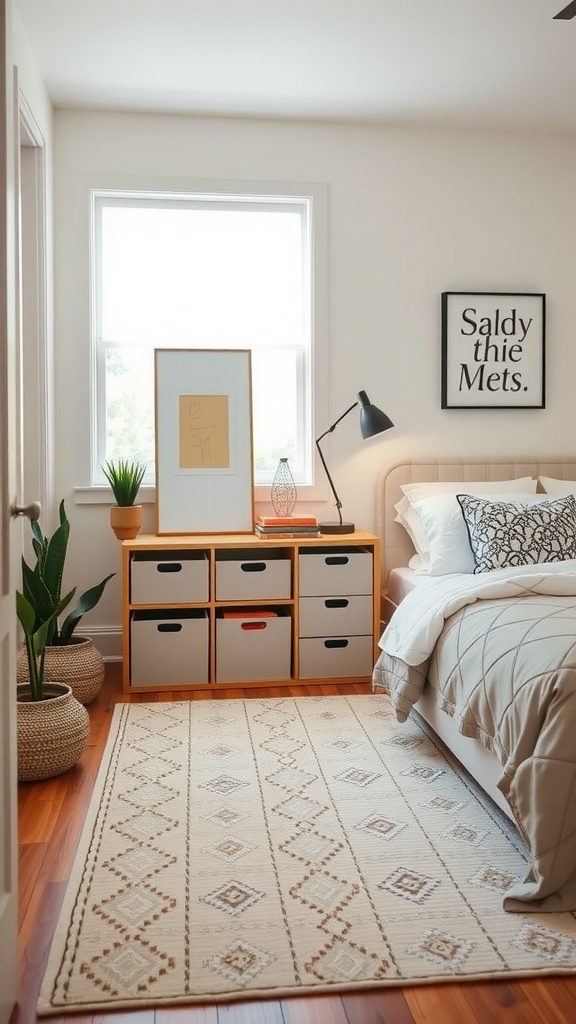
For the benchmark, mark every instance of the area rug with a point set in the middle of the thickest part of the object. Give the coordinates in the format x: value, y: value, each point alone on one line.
x: 264, y: 848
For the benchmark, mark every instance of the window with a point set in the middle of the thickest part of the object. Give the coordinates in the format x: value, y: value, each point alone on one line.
x: 204, y: 271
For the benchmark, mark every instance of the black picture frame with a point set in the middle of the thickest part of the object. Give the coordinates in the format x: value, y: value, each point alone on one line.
x: 493, y: 350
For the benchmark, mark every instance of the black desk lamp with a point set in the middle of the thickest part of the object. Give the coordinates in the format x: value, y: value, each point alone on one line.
x: 372, y: 421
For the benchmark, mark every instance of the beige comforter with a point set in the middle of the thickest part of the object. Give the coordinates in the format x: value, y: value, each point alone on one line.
x: 499, y: 652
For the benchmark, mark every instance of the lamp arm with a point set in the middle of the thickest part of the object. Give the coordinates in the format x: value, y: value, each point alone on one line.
x: 335, y: 424
x: 338, y: 503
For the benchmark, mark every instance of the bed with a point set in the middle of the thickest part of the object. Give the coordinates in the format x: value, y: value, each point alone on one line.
x: 484, y: 649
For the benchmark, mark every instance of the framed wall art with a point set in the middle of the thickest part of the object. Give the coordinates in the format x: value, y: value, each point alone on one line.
x: 204, y: 459
x: 493, y: 350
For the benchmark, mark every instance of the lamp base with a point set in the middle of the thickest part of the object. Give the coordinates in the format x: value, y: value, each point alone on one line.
x: 336, y: 527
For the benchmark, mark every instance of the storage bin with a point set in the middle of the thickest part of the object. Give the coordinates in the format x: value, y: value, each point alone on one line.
x: 168, y: 647
x: 335, y: 616
x: 333, y: 657
x: 252, y: 645
x: 169, y: 577
x: 341, y: 571
x: 253, y: 575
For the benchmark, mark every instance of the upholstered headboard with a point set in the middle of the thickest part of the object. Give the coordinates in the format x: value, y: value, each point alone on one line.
x: 396, y: 547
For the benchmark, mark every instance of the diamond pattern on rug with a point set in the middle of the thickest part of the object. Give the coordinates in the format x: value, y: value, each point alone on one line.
x: 148, y: 825
x: 545, y: 943
x: 135, y: 907
x: 225, y: 816
x: 138, y: 863
x: 444, y: 803
x: 404, y: 742
x: 490, y: 877
x: 423, y: 772
x: 155, y: 768
x: 346, y: 962
x: 300, y: 808
x: 229, y: 849
x: 223, y: 785
x: 409, y: 884
x: 221, y: 751
x: 281, y: 745
x: 240, y: 962
x: 233, y: 897
x: 149, y: 795
x: 156, y: 745
x: 357, y: 777
x: 381, y: 826
x: 311, y: 848
x: 343, y: 744
x: 290, y: 778
x: 448, y: 951
x: 465, y: 834
x: 324, y: 892
x: 133, y: 964
x: 380, y: 867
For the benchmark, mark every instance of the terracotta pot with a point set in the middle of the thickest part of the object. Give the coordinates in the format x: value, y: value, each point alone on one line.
x: 79, y: 665
x: 52, y: 733
x: 126, y: 521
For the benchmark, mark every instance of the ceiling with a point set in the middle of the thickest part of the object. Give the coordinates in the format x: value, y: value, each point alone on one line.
x: 482, y: 63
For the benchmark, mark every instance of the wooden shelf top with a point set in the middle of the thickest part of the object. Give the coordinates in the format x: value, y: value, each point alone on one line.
x: 146, y: 541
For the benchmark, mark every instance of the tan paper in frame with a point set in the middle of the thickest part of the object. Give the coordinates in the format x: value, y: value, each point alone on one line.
x: 204, y: 432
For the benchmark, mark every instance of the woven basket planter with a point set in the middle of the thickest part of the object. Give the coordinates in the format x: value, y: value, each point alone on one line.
x: 79, y: 665
x: 52, y: 733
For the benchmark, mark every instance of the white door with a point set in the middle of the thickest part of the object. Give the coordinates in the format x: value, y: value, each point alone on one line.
x: 10, y: 533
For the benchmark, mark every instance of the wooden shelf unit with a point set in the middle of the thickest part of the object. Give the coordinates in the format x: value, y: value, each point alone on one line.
x: 301, y: 591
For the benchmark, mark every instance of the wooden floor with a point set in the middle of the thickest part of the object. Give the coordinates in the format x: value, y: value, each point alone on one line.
x: 50, y: 819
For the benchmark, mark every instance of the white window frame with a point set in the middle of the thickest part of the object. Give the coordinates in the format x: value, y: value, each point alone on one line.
x: 312, y: 414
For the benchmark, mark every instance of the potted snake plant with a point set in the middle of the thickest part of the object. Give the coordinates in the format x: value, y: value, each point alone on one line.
x: 125, y: 477
x: 65, y: 656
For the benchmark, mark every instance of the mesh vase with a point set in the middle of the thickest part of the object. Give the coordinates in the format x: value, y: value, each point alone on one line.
x: 284, y: 493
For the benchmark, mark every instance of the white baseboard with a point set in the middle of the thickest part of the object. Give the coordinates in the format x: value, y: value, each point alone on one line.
x: 108, y: 640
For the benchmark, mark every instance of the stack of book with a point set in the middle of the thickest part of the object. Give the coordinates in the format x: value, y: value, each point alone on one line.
x: 297, y: 526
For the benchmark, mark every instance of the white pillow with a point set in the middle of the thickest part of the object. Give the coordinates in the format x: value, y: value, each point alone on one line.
x: 561, y: 488
x: 408, y: 515
x: 446, y: 533
x: 511, y: 533
x: 521, y: 485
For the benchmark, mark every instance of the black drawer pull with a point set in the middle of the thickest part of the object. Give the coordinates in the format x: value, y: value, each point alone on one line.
x: 336, y: 560
x: 169, y: 627
x: 336, y: 643
x: 336, y: 602
x: 169, y: 567
x: 253, y: 566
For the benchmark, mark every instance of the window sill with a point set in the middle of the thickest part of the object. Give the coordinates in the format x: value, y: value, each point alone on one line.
x: 101, y: 495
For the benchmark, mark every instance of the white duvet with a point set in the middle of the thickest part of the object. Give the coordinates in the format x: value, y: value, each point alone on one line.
x: 418, y: 621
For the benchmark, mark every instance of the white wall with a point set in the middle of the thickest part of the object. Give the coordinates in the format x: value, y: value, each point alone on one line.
x: 411, y: 213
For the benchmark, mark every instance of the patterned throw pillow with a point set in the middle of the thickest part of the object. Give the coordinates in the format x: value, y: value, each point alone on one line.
x: 508, y: 533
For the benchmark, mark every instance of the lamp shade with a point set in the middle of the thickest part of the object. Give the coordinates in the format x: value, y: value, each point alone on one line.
x: 372, y: 419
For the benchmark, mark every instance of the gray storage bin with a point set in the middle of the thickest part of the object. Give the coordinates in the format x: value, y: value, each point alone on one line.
x: 341, y: 571
x: 169, y: 647
x: 168, y: 577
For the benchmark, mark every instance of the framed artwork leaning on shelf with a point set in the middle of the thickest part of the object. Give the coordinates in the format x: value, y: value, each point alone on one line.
x: 204, y: 452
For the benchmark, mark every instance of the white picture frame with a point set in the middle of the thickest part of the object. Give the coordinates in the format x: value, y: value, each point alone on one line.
x: 204, y: 447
